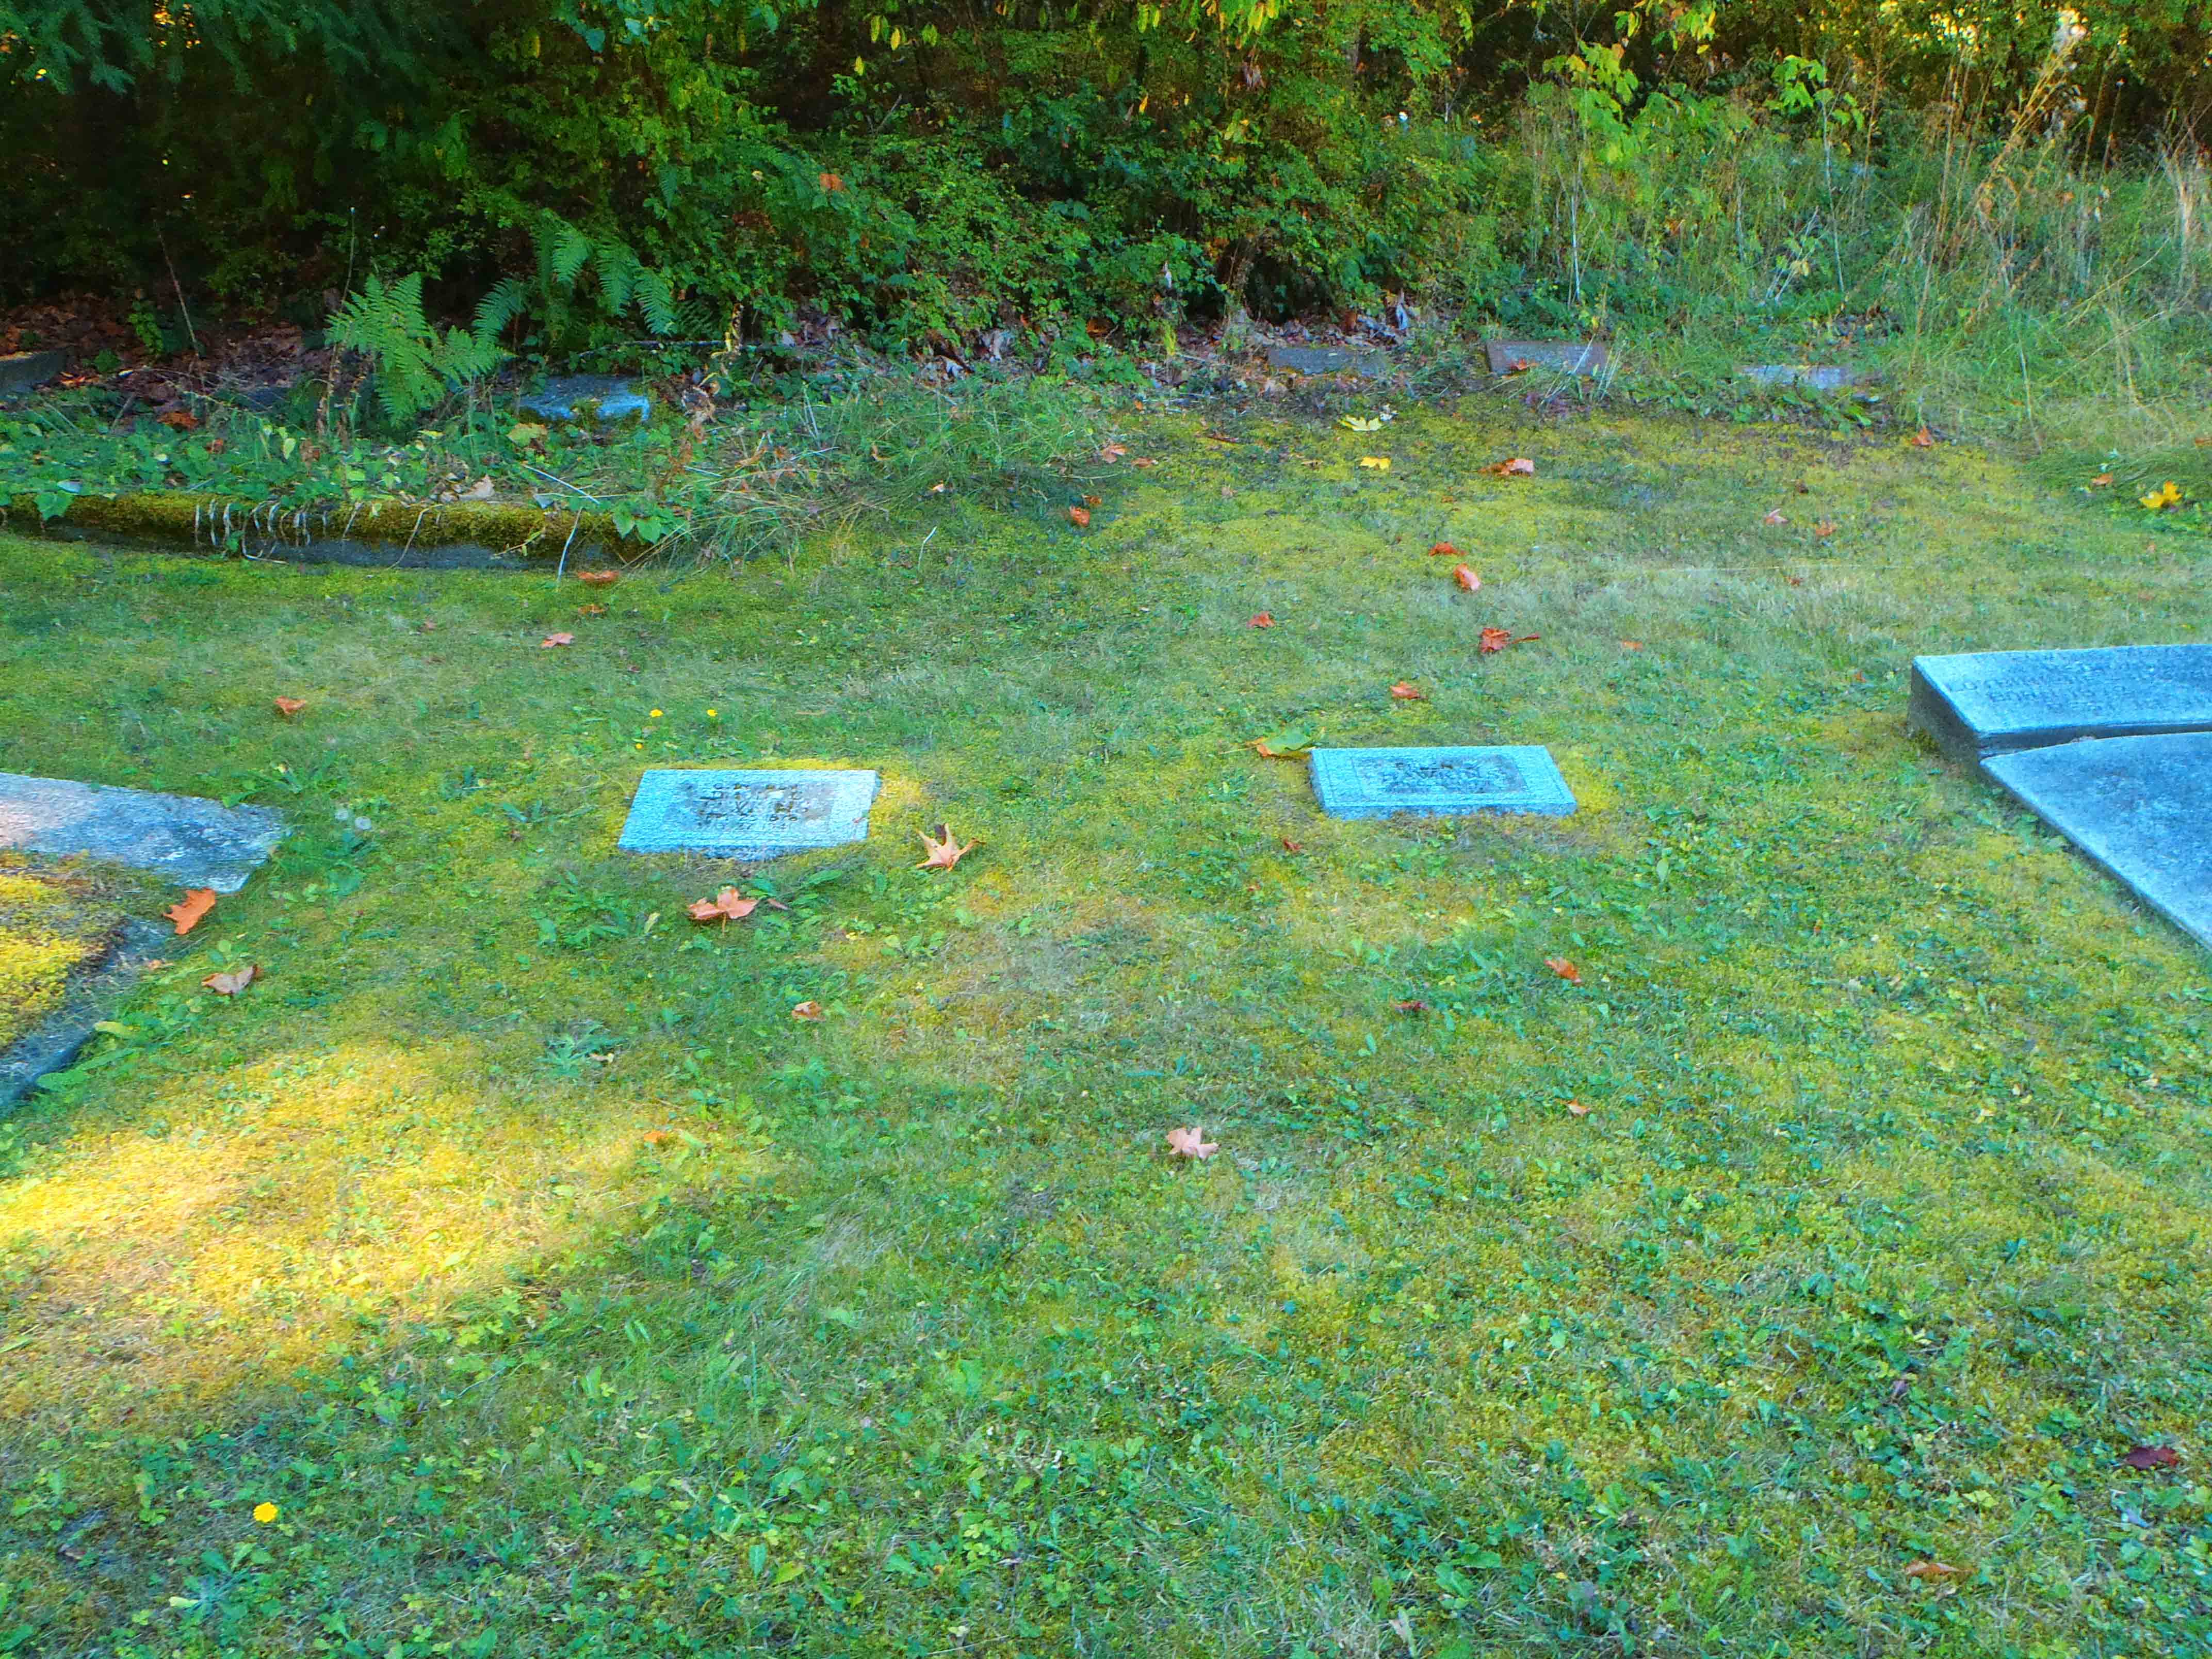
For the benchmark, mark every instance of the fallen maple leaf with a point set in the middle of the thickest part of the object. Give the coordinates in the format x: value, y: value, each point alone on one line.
x: 1824, y: 528
x: 658, y: 1137
x: 1113, y: 452
x: 289, y: 706
x: 1520, y: 466
x: 1264, y: 619
x: 1565, y: 969
x: 808, y: 1010
x: 830, y: 183
x: 180, y: 420
x: 599, y: 578
x: 1922, y: 439
x: 1776, y: 516
x: 1192, y: 1143
x: 480, y: 490
x: 943, y: 852
x: 188, y: 911
x: 229, y: 985
x: 1093, y: 500
x: 1293, y: 847
x: 1933, y: 1570
x: 1377, y: 463
x: 1410, y: 1006
x: 2151, y: 1457
x: 594, y: 609
x: 1578, y: 1109
x: 2101, y: 481
x: 1443, y: 550
x: 2166, y: 496
x: 1143, y: 460
x: 1632, y: 645
x: 1407, y: 692
x: 1465, y: 576
x: 728, y: 905
x: 1289, y: 744
x: 553, y: 640
x: 1080, y: 517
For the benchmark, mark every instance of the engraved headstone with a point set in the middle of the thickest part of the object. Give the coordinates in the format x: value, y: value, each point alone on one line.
x: 747, y: 815
x: 1821, y: 377
x: 1443, y: 783
x: 610, y: 393
x: 2140, y: 807
x: 195, y: 842
x: 1981, y: 704
x: 21, y: 370
x: 1325, y: 360
x: 1573, y: 356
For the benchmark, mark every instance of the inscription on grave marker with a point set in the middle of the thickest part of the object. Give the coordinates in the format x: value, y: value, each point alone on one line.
x: 1977, y: 704
x: 1456, y: 782
x: 750, y: 815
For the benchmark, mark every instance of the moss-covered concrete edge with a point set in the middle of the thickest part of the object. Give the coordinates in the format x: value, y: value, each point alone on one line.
x: 197, y: 517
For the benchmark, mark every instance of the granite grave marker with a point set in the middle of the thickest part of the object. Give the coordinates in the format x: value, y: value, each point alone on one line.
x: 1977, y: 704
x: 611, y: 393
x: 1326, y: 360
x: 1574, y: 356
x: 194, y: 842
x: 2140, y: 807
x: 751, y: 816
x: 1821, y: 377
x: 1444, y: 782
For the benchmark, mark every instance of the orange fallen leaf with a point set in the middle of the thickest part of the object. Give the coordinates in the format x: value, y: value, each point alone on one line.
x: 188, y: 911
x: 943, y: 851
x: 1776, y: 516
x: 1933, y: 1570
x: 426, y: 626
x: 1443, y: 551
x: 594, y: 609
x: 599, y: 578
x: 1093, y: 500
x: 1264, y: 619
x: 1143, y: 460
x: 1632, y: 645
x: 229, y: 985
x: 2151, y: 1457
x: 658, y: 1137
x: 1407, y: 692
x: 1922, y: 439
x: 180, y: 420
x: 1565, y: 969
x: 809, y: 1009
x: 728, y: 905
x: 1578, y: 1109
x: 553, y: 640
x: 1409, y: 1005
x: 1192, y: 1143
x: 830, y: 183
x: 2103, y: 480
x: 1465, y: 576
x: 289, y: 706
x: 1080, y: 517
x: 1520, y: 466
x: 1293, y: 847
x: 1826, y: 527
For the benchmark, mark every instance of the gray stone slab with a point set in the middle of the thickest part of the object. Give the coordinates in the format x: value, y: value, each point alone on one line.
x: 2140, y: 808
x: 1979, y: 703
x: 1442, y: 783
x: 92, y: 998
x: 194, y: 843
x: 610, y: 393
x: 1571, y: 357
x: 747, y: 815
x: 1327, y: 360
x: 1821, y: 377
x: 21, y: 370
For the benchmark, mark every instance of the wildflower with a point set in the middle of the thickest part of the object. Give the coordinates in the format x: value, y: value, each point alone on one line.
x: 266, y: 1512
x: 711, y: 715
x: 654, y: 716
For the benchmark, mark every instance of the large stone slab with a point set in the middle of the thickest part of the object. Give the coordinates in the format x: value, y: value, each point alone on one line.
x: 609, y: 393
x: 747, y: 815
x: 2139, y: 807
x: 1327, y: 360
x: 1989, y: 702
x: 21, y: 370
x: 194, y: 842
x: 1571, y: 357
x: 1442, y: 783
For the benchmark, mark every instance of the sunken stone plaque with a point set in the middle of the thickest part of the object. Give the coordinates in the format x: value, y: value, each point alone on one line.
x: 2140, y: 807
x: 199, y: 843
x: 1989, y: 702
x: 1325, y: 360
x: 1821, y: 377
x: 1442, y: 783
x: 1573, y: 356
x: 753, y: 816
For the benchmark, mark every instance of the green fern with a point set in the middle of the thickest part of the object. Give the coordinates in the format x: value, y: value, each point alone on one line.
x: 564, y: 255
x: 416, y: 366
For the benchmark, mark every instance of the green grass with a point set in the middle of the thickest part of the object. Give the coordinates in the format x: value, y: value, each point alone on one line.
x: 55, y: 922
x: 566, y: 1296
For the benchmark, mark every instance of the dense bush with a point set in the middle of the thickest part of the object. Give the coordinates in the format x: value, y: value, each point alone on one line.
x: 939, y: 173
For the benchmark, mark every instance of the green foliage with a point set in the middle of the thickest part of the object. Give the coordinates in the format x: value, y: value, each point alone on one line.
x: 415, y: 365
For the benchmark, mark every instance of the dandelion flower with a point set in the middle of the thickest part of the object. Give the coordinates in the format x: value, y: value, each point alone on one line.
x: 654, y: 716
x: 265, y: 1513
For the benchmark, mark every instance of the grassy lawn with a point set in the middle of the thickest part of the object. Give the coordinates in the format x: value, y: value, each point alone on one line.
x: 54, y: 921
x: 565, y: 1295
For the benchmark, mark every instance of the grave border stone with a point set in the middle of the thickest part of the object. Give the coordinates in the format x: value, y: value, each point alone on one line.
x: 657, y: 823
x: 1344, y: 792
x: 1957, y: 699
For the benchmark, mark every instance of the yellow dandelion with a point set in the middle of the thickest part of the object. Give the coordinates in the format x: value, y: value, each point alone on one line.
x: 712, y: 715
x: 265, y: 1513
x: 654, y: 716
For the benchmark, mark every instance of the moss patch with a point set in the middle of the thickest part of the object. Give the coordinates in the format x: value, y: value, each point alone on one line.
x: 54, y: 922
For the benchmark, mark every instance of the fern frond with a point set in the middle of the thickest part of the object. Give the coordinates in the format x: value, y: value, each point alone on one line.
x: 508, y: 299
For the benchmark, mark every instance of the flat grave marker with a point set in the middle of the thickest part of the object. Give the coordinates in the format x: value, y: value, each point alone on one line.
x: 2140, y: 807
x: 194, y: 843
x: 1575, y: 356
x: 748, y: 815
x: 612, y: 394
x: 1326, y: 360
x: 1442, y: 783
x: 21, y: 371
x: 1821, y: 377
x: 1977, y: 704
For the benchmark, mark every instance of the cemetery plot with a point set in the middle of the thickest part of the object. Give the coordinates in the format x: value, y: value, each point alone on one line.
x: 751, y: 816
x: 1977, y: 704
x: 2139, y: 807
x: 1458, y: 782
